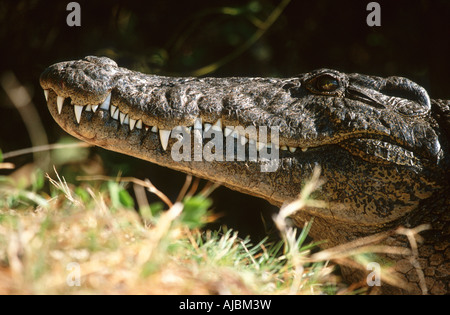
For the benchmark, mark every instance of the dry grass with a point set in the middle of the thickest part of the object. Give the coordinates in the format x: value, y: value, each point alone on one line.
x: 79, y: 233
x: 89, y: 239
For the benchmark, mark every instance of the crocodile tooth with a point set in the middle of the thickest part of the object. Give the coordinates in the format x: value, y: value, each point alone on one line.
x: 138, y: 124
x: 126, y: 120
x: 46, y: 95
x: 198, y: 124
x: 78, y: 110
x: 115, y: 114
x: 218, y: 125
x: 122, y: 117
x: 292, y: 149
x: 155, y: 129
x: 88, y: 108
x: 244, y: 140
x: 304, y: 149
x: 132, y: 123
x: 164, y: 137
x: 106, y: 102
x: 188, y: 129
x: 283, y: 147
x: 146, y: 127
x: 94, y: 108
x: 206, y: 127
x: 113, y: 110
x: 227, y: 131
x: 59, y: 102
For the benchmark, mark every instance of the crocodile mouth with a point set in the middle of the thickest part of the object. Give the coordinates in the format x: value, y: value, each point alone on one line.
x: 371, y: 147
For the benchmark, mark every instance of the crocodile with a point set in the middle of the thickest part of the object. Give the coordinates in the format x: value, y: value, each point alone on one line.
x: 381, y: 143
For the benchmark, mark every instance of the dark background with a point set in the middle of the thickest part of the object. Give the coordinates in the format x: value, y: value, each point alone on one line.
x: 179, y: 37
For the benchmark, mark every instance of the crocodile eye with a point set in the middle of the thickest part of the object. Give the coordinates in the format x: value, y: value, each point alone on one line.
x: 327, y: 83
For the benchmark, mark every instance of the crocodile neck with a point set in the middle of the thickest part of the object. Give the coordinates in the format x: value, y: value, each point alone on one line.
x: 381, y: 143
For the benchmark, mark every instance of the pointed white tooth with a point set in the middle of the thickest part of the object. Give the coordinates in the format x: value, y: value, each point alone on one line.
x: 132, y: 123
x: 304, y: 149
x: 218, y: 125
x: 206, y: 127
x: 139, y: 124
x: 88, y: 108
x: 126, y: 120
x: 164, y: 136
x: 227, y: 131
x: 106, y: 102
x: 115, y: 114
x: 244, y: 140
x: 198, y: 124
x: 46, y: 95
x: 260, y: 145
x: 122, y: 117
x: 60, y: 102
x: 188, y: 129
x: 146, y: 127
x: 78, y: 110
x: 155, y: 129
x: 292, y: 149
x: 283, y: 147
x: 94, y: 108
x: 113, y: 110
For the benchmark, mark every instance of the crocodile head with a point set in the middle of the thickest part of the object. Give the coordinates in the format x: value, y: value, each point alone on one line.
x: 375, y: 139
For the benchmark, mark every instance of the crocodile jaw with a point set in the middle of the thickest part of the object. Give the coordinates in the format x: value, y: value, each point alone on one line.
x: 102, y: 128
